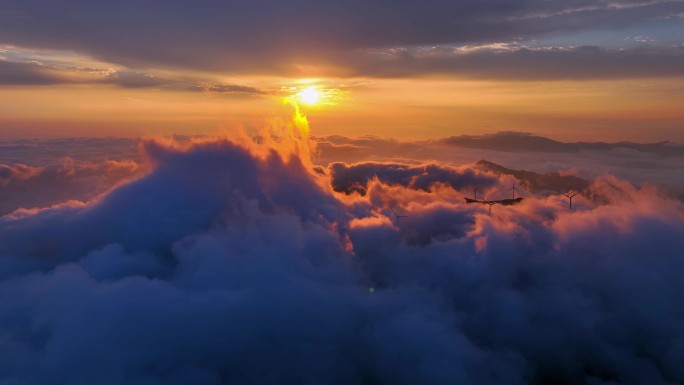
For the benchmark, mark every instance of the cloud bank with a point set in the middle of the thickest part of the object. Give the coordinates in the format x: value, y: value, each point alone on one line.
x: 33, y: 73
x: 232, y: 262
x: 641, y: 163
x: 39, y: 173
x: 351, y: 38
x: 24, y: 186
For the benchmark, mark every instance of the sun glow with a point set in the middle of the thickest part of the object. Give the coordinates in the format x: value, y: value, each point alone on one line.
x: 309, y: 96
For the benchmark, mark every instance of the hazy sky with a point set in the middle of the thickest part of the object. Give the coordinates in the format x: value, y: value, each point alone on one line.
x: 579, y: 69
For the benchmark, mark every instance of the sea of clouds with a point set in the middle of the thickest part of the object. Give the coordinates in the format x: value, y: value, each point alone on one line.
x: 222, y: 261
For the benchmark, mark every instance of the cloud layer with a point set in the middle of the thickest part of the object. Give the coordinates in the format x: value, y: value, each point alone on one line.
x: 640, y: 163
x: 39, y: 173
x: 237, y: 263
x: 33, y: 73
x: 346, y: 38
x: 23, y: 186
x: 355, y: 178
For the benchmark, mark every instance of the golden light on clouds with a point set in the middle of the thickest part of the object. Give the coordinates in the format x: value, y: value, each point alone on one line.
x: 316, y: 93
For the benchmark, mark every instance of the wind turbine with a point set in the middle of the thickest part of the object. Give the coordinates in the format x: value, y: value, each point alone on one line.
x: 490, y: 203
x: 570, y: 196
x: 398, y: 216
x: 514, y: 189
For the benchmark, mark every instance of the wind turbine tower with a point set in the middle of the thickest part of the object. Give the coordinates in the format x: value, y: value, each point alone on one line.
x: 490, y: 203
x: 514, y: 189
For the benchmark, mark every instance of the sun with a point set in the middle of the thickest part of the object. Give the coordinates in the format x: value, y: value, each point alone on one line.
x: 309, y: 95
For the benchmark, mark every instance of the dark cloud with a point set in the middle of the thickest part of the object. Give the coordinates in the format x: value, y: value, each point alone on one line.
x: 29, y: 74
x: 36, y: 74
x: 131, y: 79
x: 269, y: 36
x: 230, y: 88
x: 521, y: 63
x: 229, y: 264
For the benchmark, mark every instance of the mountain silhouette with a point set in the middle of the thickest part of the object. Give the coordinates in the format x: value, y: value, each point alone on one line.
x: 522, y: 142
x: 550, y: 181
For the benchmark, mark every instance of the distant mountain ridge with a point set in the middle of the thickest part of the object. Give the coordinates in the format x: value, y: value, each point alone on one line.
x: 550, y: 181
x: 521, y: 142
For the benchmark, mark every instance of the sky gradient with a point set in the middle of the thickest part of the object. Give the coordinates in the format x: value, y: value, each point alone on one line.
x: 359, y: 192
x: 572, y: 70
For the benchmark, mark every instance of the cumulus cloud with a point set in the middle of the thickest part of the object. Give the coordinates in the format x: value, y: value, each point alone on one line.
x: 347, y: 178
x: 232, y: 262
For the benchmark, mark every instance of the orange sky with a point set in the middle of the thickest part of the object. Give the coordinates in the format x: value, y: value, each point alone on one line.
x: 641, y: 110
x: 581, y: 70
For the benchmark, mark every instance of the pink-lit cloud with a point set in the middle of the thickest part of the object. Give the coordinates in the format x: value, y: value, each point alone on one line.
x: 235, y: 263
